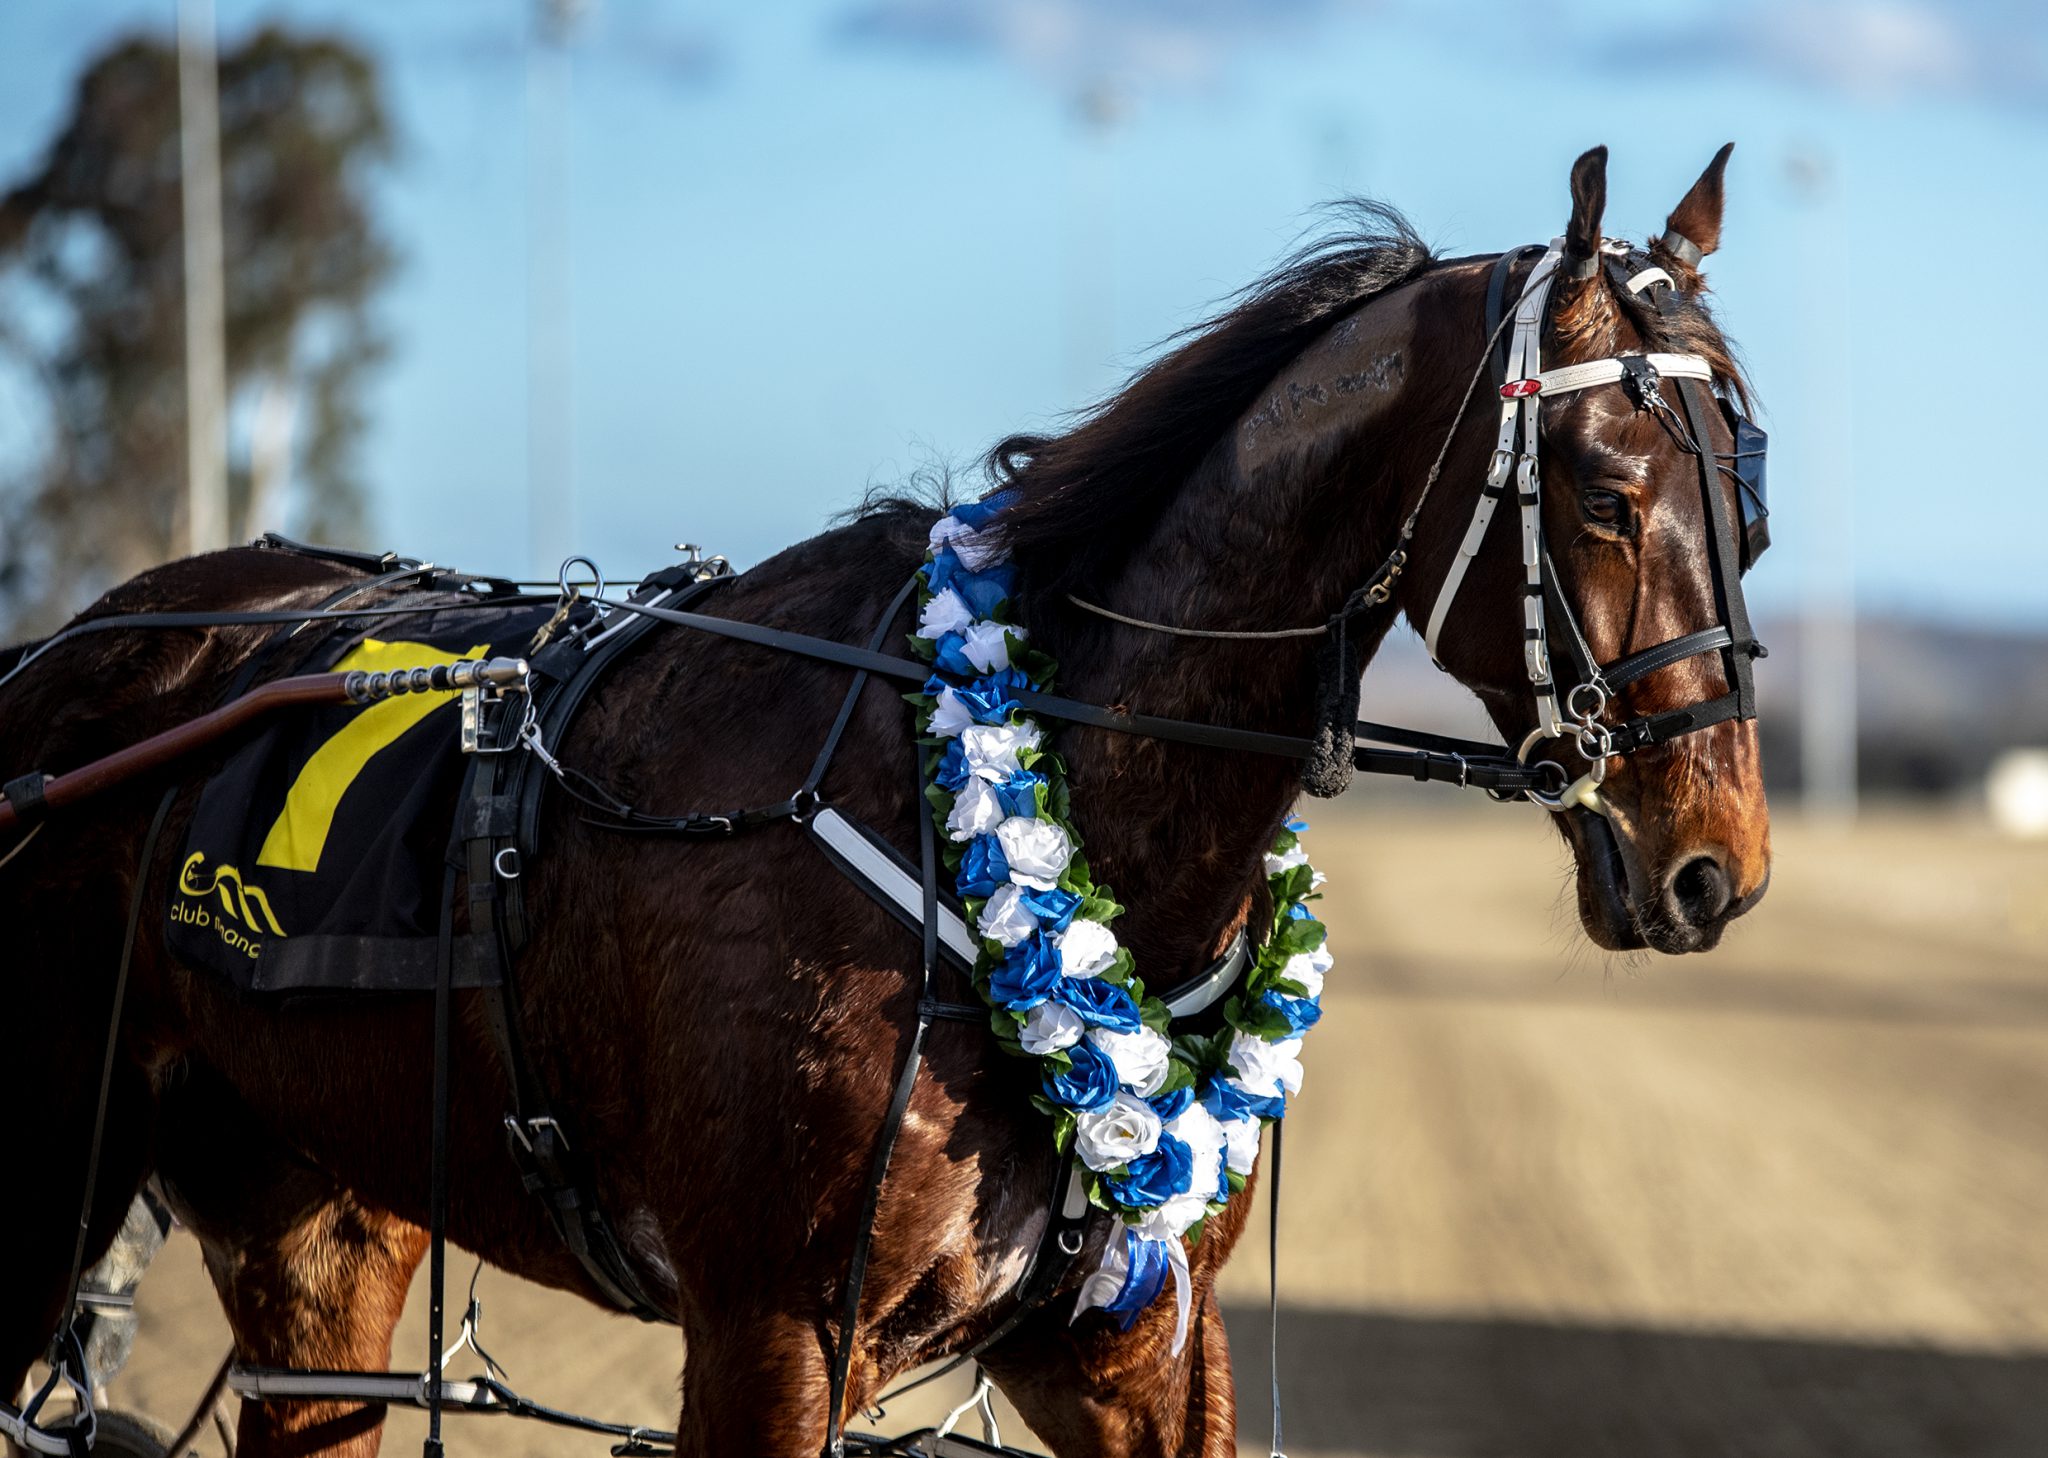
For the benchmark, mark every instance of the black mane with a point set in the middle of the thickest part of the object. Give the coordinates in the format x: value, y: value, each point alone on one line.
x: 1084, y: 495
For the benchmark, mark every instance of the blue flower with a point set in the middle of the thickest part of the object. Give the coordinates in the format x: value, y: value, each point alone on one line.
x: 1302, y: 1013
x: 1018, y: 795
x: 1297, y: 911
x: 1100, y: 1004
x: 1054, y: 908
x: 951, y: 773
x: 988, y: 700
x: 982, y: 591
x: 978, y: 514
x: 1227, y: 1101
x: 1170, y: 1106
x: 1027, y: 975
x: 983, y: 868
x: 950, y: 657
x: 1296, y: 824
x: 1088, y: 1085
x: 1153, y: 1179
x: 988, y: 589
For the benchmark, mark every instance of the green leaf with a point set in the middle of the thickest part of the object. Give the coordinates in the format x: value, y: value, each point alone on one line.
x: 1155, y: 1015
x: 1297, y: 937
x: 1100, y: 907
x: 923, y: 649
x: 1292, y: 884
x: 1178, y: 1076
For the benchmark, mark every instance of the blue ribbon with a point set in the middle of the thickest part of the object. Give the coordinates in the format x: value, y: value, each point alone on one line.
x: 1144, y: 1277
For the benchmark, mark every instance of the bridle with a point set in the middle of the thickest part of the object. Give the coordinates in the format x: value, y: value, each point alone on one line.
x: 1578, y: 715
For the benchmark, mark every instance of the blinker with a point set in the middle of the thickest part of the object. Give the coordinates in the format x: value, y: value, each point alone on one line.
x: 1746, y: 464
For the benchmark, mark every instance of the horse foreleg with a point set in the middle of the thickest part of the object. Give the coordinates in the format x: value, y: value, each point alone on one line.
x: 755, y: 1386
x: 309, y: 1276
x: 1095, y: 1390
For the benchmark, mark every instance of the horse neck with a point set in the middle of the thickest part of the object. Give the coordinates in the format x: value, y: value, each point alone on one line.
x: 1285, y: 517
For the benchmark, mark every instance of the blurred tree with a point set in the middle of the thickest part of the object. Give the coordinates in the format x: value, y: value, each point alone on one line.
x: 91, y: 302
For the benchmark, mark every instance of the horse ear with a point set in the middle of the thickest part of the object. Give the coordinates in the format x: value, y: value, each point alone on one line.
x: 1694, y: 228
x: 1589, y: 201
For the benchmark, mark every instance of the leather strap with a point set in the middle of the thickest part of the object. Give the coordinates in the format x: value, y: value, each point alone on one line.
x: 25, y: 794
x: 892, y: 1126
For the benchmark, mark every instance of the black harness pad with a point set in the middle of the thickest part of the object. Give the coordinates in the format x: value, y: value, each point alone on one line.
x: 313, y: 863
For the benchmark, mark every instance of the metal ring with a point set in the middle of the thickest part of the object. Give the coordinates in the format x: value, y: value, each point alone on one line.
x: 1070, y: 1242
x: 596, y: 573
x: 1571, y: 700
x: 1594, y: 742
x: 1552, y: 800
x: 498, y: 862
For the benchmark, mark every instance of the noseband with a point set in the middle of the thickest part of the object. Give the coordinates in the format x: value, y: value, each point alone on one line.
x: 1578, y: 715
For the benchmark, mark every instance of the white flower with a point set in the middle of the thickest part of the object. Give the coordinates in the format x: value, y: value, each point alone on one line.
x: 1126, y: 1130
x: 991, y: 750
x: 1241, y: 1147
x: 1037, y: 850
x: 1004, y: 916
x: 1315, y: 879
x: 1086, y: 947
x: 1302, y: 968
x: 1285, y: 862
x: 1049, y: 1027
x: 976, y: 810
x: 1266, y: 1068
x: 949, y: 715
x: 1141, y: 1058
x: 947, y: 612
x: 987, y: 645
x: 1205, y: 1138
x: 1171, y: 1220
x: 972, y: 547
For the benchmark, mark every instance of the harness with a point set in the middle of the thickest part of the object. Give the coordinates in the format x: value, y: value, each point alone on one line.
x: 516, y: 712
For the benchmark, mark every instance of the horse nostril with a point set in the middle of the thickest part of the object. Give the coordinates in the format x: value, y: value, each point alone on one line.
x: 1701, y: 891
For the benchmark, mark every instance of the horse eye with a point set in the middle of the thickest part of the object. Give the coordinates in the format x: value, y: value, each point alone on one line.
x: 1608, y: 508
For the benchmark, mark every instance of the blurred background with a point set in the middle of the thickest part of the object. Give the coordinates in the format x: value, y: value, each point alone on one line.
x: 492, y: 281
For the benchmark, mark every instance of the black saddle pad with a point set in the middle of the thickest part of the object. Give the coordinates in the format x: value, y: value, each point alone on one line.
x: 314, y: 861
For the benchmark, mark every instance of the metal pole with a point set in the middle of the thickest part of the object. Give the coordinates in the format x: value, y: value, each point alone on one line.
x: 1827, y: 658
x: 206, y: 385
x: 551, y: 513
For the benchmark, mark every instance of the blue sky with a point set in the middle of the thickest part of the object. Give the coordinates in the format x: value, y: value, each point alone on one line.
x: 818, y: 245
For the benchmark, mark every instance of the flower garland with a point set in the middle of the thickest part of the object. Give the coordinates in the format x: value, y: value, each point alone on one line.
x: 1166, y: 1126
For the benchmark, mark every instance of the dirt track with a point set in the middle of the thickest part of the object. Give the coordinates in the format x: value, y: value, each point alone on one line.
x: 1783, y: 1200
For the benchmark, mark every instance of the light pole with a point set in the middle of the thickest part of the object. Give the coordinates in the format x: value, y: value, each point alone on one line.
x: 550, y: 469
x: 206, y: 386
x: 1827, y: 648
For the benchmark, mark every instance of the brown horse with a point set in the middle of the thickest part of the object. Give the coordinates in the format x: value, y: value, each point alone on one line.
x: 724, y: 1019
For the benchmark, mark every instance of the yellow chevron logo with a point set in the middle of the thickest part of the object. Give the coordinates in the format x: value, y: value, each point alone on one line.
x: 299, y: 833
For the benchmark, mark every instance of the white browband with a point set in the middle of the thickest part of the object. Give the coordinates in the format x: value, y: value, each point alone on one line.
x: 1567, y: 378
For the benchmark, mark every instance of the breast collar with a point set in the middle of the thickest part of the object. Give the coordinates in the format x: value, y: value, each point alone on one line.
x: 1578, y: 715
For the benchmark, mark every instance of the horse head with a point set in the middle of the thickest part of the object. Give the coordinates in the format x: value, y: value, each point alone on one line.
x: 1635, y: 564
